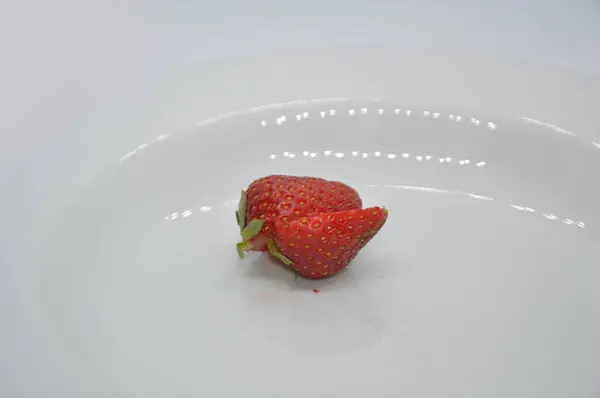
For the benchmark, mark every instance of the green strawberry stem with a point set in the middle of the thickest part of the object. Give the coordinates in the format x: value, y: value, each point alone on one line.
x: 250, y: 231
x: 240, y: 214
x: 242, y: 248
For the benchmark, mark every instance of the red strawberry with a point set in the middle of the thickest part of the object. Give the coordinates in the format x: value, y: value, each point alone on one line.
x: 319, y: 246
x: 280, y: 198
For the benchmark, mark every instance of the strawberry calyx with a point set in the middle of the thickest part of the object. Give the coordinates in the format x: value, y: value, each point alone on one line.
x: 240, y: 213
x: 274, y: 251
x: 250, y: 231
x: 247, y: 231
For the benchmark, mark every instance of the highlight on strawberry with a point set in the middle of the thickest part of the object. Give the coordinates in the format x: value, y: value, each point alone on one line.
x: 314, y: 226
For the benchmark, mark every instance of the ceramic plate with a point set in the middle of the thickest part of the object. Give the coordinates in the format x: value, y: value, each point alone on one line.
x: 483, y: 282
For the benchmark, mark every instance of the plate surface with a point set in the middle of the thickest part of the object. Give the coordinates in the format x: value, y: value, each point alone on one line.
x: 482, y: 283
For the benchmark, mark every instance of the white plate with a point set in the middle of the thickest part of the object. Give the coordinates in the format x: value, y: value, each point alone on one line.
x: 483, y: 283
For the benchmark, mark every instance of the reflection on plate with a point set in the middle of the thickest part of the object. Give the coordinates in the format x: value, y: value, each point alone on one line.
x: 482, y: 283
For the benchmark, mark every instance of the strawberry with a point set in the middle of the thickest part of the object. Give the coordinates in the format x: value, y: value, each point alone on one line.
x: 280, y: 198
x: 321, y: 245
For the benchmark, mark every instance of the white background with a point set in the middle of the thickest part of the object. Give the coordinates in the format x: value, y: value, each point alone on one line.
x: 85, y: 69
x: 83, y: 82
